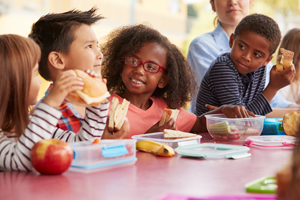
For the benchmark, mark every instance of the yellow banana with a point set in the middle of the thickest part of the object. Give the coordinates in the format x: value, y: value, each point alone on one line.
x: 155, y: 148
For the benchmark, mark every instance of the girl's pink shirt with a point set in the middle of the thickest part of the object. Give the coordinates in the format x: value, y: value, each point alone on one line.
x: 142, y: 120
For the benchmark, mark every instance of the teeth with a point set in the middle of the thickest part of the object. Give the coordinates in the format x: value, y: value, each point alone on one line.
x: 136, y: 81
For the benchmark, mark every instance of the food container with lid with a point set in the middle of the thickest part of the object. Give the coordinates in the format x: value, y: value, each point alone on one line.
x: 223, y: 128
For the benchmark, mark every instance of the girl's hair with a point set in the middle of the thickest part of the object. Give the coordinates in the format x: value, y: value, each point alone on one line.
x: 128, y: 40
x: 216, y: 19
x: 291, y: 41
x: 18, y: 56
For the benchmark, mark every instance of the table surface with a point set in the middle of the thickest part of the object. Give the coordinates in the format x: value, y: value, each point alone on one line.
x: 150, y: 177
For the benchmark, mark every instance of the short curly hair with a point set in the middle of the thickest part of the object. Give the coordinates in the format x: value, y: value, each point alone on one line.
x: 262, y: 25
x: 128, y: 40
x: 55, y: 32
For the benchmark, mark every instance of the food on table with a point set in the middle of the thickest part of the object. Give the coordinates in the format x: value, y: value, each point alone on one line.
x: 51, y: 156
x: 222, y: 130
x: 155, y: 148
x: 291, y: 123
x: 172, y: 134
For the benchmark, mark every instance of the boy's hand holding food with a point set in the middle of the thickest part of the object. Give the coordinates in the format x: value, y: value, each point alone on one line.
x: 78, y: 87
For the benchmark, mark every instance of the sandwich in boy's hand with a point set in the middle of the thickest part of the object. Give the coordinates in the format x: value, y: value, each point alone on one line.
x: 167, y: 115
x: 117, y: 114
x: 93, y: 93
x: 284, y: 60
x: 172, y: 134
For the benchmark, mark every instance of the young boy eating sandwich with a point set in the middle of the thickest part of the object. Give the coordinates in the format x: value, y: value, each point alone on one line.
x: 238, y: 77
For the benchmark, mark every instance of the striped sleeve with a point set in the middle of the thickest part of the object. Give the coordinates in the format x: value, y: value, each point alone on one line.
x: 16, y: 155
x: 92, y: 127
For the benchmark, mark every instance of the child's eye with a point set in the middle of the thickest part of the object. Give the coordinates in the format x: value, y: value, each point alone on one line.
x: 151, y: 67
x: 89, y: 46
x: 241, y: 47
x: 133, y: 61
x: 257, y: 55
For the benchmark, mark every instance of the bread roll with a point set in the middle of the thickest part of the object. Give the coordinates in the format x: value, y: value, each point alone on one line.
x: 93, y: 93
x: 291, y: 123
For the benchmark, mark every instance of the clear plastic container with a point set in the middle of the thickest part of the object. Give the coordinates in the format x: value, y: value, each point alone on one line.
x: 214, y: 150
x: 159, y: 137
x: 271, y: 141
x: 106, y: 154
x: 233, y: 129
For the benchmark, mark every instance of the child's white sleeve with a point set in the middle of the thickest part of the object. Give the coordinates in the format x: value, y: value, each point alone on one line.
x: 92, y: 127
x: 16, y: 155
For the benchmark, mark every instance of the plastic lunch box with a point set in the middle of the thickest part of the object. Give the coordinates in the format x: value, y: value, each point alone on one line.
x: 159, y: 137
x: 106, y: 154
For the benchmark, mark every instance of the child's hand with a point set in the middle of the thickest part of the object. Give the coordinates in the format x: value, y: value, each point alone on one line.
x: 65, y: 83
x: 210, y: 107
x: 281, y: 79
x: 171, y: 124
x: 232, y: 111
x: 121, y: 134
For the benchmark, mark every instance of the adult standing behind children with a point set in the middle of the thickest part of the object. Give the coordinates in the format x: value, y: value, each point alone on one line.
x: 291, y: 41
x: 144, y: 67
x: 68, y: 42
x: 238, y: 77
x: 206, y: 48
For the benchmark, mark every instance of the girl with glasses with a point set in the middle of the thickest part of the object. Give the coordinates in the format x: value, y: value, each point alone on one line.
x: 143, y: 67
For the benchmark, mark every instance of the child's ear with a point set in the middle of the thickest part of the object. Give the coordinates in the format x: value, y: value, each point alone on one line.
x: 163, y: 81
x: 231, y: 40
x: 267, y: 61
x: 56, y: 60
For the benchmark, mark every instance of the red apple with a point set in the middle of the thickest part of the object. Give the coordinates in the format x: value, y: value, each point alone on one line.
x: 51, y: 156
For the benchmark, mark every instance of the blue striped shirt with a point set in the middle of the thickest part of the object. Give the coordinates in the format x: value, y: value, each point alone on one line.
x: 223, y: 84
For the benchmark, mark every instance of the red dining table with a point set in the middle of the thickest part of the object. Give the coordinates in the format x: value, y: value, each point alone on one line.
x: 149, y: 178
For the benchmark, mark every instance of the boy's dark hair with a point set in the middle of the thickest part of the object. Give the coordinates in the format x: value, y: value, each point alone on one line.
x: 55, y: 32
x: 262, y: 25
x: 128, y: 40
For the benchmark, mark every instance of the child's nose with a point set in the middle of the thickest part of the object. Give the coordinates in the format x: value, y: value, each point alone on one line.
x: 100, y: 55
x: 140, y: 69
x: 246, y: 56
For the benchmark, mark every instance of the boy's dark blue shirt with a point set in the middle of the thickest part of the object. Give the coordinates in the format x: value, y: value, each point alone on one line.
x: 223, y: 84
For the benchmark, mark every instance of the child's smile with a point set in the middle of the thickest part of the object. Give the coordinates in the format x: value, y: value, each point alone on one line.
x: 139, y: 81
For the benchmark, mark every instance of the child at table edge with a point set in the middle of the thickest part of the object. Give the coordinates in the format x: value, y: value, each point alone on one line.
x: 19, y: 88
x: 155, y: 76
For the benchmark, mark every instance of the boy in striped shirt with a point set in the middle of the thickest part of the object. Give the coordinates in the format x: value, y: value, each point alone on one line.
x: 67, y: 42
x: 238, y: 77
